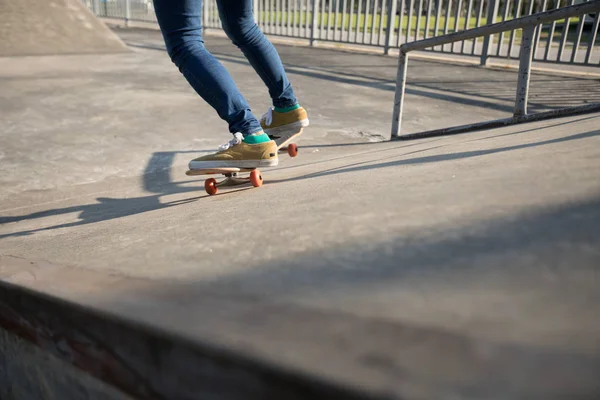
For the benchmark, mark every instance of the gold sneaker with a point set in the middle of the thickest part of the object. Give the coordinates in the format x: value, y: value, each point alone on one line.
x: 239, y: 154
x: 274, y: 122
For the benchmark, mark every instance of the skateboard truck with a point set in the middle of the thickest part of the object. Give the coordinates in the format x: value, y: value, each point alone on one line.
x: 211, y: 185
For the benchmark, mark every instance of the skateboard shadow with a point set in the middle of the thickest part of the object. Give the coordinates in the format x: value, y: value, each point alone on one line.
x: 377, y: 163
x: 156, y: 180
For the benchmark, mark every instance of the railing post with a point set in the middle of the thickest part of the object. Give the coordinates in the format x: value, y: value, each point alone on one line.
x: 127, y: 12
x: 491, y: 16
x: 391, y: 25
x: 399, y: 95
x: 315, y: 9
x: 524, y: 71
x: 96, y: 7
x: 254, y: 8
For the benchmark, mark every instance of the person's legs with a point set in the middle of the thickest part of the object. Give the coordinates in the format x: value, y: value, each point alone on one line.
x: 238, y: 23
x: 179, y: 21
x: 180, y: 24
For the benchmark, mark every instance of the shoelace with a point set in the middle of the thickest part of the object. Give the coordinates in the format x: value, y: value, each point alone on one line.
x: 268, y: 117
x: 237, y: 139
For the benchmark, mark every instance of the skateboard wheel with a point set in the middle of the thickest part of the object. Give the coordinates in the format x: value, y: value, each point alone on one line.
x: 292, y: 150
x: 210, y: 185
x: 256, y: 178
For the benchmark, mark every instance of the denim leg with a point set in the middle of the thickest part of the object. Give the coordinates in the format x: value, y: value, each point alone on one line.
x: 238, y: 22
x: 180, y: 24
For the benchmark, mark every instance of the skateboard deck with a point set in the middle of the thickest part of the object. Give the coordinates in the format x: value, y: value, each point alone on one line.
x: 284, y: 141
x: 211, y: 185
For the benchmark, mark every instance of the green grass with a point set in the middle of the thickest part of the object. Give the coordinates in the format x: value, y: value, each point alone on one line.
x: 367, y: 23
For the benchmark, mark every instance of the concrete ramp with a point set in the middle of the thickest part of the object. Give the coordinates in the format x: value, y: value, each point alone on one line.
x: 41, y: 27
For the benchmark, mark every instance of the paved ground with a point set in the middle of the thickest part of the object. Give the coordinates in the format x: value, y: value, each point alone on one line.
x: 489, y: 235
x: 35, y: 27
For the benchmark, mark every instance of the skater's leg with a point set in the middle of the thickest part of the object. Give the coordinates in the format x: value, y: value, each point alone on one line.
x: 238, y: 22
x: 179, y: 21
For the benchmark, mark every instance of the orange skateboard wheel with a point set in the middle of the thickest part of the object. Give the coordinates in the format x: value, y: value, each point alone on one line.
x: 292, y: 150
x: 210, y: 185
x: 256, y: 178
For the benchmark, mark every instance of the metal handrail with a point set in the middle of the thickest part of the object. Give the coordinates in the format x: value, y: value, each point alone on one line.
x: 528, y: 24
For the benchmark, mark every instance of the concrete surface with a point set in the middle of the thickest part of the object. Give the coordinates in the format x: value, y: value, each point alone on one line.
x: 32, y: 373
x: 34, y: 27
x: 489, y: 235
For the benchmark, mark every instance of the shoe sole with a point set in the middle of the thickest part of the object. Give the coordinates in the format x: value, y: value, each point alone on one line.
x: 288, y: 128
x: 273, y: 162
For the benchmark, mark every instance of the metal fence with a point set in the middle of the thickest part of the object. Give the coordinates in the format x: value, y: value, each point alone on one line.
x: 529, y: 26
x: 390, y: 23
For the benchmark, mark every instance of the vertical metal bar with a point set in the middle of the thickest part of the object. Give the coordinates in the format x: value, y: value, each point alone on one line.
x: 478, y: 24
x: 524, y: 71
x: 550, y: 34
x: 491, y: 17
x: 307, y: 19
x: 447, y: 21
x: 428, y: 18
x: 382, y: 15
x: 328, y: 21
x: 456, y: 22
x: 366, y: 24
x: 411, y: 5
x: 127, y: 12
x: 351, y: 19
x: 270, y: 15
x: 335, y: 21
x: 400, y: 22
x: 501, y: 36
x: 592, y: 39
x: 344, y: 19
x: 437, y: 20
x: 315, y: 5
x: 517, y: 14
x: 358, y: 17
x: 399, y: 94
x: 279, y: 16
x: 295, y: 17
x: 467, y: 23
x: 565, y: 32
x: 538, y: 32
x: 391, y: 25
x: 577, y: 38
x: 373, y: 21
x: 419, y: 11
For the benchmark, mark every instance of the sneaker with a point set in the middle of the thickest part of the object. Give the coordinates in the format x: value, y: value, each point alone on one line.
x: 239, y: 154
x: 274, y: 122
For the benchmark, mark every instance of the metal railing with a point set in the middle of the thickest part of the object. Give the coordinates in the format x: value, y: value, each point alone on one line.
x: 530, y: 36
x: 388, y: 24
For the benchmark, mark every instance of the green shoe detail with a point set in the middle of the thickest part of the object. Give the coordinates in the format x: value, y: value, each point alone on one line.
x: 257, y: 138
x: 287, y: 109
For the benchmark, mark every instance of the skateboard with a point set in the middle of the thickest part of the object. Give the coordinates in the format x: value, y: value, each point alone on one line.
x: 283, y: 141
x: 211, y: 185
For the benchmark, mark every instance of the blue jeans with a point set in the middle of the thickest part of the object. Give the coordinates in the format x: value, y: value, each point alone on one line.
x: 181, y: 27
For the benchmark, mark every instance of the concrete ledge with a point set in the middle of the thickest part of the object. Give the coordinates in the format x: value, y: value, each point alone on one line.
x: 145, y: 362
x: 160, y: 340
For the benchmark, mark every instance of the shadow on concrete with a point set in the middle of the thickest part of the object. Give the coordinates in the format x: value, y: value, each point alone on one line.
x: 369, y: 165
x: 546, y: 93
x: 519, y: 252
x: 157, y: 180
